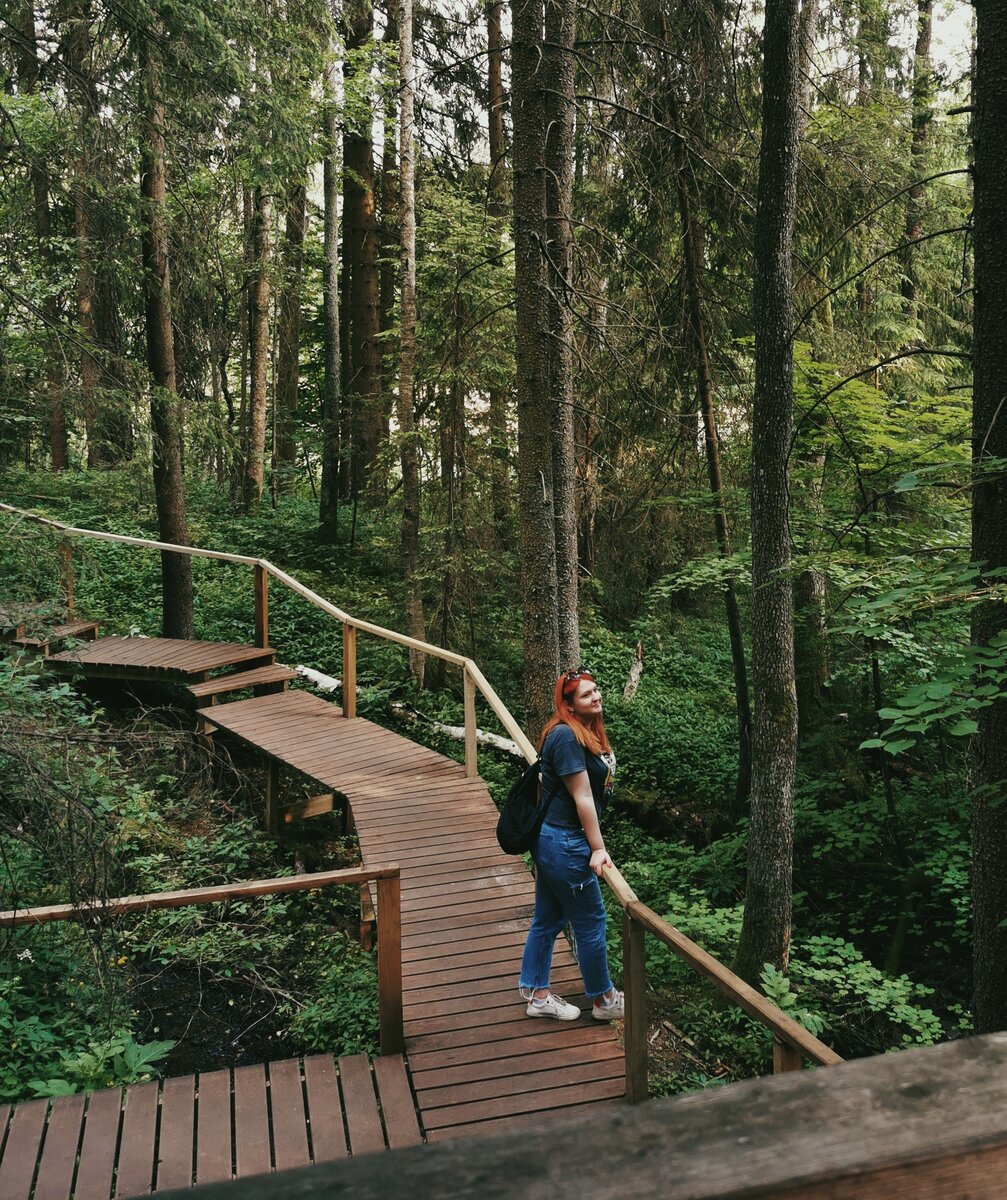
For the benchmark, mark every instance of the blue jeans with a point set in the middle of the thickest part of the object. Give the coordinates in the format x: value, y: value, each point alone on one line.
x: 566, y: 889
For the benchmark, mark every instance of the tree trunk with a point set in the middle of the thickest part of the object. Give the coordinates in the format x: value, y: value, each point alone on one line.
x: 328, y: 508
x: 409, y: 453
x: 288, y: 364
x: 989, y: 510
x: 535, y: 462
x: 923, y: 84
x: 56, y: 417
x: 360, y: 258
x: 558, y: 79
x: 258, y: 351
x: 765, y: 930
x: 810, y: 20
x: 705, y: 393
x: 390, y: 247
x: 169, y: 489
x: 496, y: 206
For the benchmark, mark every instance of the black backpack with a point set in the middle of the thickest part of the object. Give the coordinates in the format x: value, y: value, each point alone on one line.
x: 521, y: 817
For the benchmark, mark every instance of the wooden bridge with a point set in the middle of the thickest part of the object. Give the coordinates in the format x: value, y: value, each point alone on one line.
x: 452, y: 914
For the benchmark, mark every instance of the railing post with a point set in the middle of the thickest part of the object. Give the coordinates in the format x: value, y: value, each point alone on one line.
x: 272, y: 796
x: 471, y: 745
x: 785, y: 1057
x: 390, y: 965
x: 66, y: 574
x: 634, y: 982
x: 261, y: 605
x: 349, y: 670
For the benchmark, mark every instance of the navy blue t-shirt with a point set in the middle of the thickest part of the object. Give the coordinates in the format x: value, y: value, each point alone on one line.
x: 563, y: 755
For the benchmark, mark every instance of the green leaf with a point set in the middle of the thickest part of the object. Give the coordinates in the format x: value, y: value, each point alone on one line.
x: 963, y: 728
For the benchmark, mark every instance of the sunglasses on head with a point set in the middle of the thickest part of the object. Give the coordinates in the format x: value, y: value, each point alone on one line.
x: 580, y: 673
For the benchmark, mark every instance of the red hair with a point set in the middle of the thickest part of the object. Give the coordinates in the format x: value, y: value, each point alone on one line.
x: 590, y: 733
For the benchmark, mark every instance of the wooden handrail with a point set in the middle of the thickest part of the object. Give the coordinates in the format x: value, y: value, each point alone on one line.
x: 389, y: 922
x: 791, y: 1041
x: 264, y: 567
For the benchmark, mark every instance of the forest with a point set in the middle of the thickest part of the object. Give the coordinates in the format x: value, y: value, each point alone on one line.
x: 661, y: 337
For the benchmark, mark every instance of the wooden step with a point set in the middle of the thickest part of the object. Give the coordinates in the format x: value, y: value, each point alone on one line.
x: 259, y: 677
x: 85, y: 630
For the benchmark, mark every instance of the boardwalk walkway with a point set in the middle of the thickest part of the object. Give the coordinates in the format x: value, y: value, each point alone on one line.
x: 217, y: 1126
x: 476, y: 1061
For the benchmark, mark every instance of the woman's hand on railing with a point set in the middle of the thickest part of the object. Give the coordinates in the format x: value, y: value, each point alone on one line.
x: 600, y: 859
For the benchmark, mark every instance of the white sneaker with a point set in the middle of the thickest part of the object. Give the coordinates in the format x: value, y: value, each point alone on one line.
x: 610, y: 1010
x: 553, y: 1006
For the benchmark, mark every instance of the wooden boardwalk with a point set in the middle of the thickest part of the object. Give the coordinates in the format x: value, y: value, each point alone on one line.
x: 221, y: 1125
x: 476, y: 1061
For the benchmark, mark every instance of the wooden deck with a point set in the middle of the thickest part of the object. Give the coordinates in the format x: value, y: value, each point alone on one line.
x: 204, y: 1129
x: 157, y: 659
x: 476, y: 1061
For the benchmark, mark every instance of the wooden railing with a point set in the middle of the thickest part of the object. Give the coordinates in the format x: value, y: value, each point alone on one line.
x: 473, y: 680
x: 389, y: 922
x: 791, y: 1041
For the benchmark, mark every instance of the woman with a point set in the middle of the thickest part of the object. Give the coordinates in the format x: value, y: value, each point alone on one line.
x: 577, y: 771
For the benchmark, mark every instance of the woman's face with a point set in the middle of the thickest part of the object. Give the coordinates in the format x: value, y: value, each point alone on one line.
x: 586, y: 700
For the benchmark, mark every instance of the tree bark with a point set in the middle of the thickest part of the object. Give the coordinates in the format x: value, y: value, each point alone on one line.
x: 705, y: 393
x: 409, y: 453
x: 535, y: 461
x: 989, y: 510
x: 328, y: 507
x: 360, y: 259
x: 496, y: 206
x: 169, y: 489
x: 389, y: 272
x: 558, y: 81
x: 288, y: 363
x: 258, y: 351
x: 923, y: 83
x: 56, y: 416
x: 765, y: 930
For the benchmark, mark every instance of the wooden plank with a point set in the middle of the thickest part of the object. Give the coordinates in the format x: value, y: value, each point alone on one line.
x: 59, y: 1154
x: 207, y: 895
x: 417, y: 943
x: 134, y: 1174
x: 99, y: 1145
x: 314, y: 806
x: 325, y: 1111
x: 289, y: 1120
x: 261, y: 589
x: 24, y: 1138
x: 361, y: 1106
x: 635, y: 1031
x: 461, y: 1035
x: 496, y: 963
x: 516, y: 1065
x: 397, y: 1107
x: 505, y: 1106
x: 485, y: 1018
x: 479, y: 916
x: 530, y: 1040
x: 570, y: 1115
x: 436, y: 1100
x: 390, y: 998
x: 251, y: 1121
x: 242, y: 679
x: 176, y: 1138
x: 499, y: 978
x: 349, y: 669
x: 213, y: 1127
